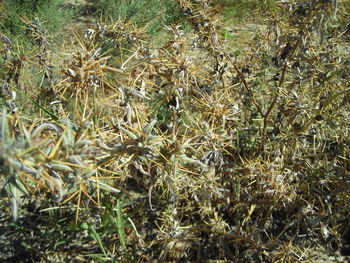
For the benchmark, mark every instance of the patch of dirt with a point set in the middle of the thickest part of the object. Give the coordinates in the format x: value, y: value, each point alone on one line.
x: 82, y: 21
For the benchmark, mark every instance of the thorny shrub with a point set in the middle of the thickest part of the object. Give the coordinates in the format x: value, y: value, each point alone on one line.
x: 216, y: 157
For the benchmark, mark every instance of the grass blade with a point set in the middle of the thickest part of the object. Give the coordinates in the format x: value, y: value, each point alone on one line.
x: 52, y: 116
x: 93, y: 233
x: 120, y: 224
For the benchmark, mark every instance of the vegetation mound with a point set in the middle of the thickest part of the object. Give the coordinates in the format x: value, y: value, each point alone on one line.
x: 163, y: 134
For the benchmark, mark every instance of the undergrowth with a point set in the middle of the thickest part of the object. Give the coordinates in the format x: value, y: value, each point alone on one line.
x: 185, y: 151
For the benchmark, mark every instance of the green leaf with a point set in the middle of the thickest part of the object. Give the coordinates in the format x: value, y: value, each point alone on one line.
x: 93, y: 234
x: 84, y: 226
x: 120, y: 224
x: 52, y: 116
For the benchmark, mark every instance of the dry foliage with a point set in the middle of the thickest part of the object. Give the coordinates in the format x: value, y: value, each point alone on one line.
x: 214, y: 156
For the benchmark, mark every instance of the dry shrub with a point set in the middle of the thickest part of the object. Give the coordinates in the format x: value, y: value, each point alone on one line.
x: 216, y: 157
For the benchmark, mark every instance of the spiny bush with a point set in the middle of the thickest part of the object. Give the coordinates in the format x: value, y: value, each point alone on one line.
x: 187, y: 152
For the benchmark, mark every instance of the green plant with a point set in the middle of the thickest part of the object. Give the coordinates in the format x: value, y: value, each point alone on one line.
x: 120, y: 224
x: 16, y: 11
x: 235, y: 10
x: 151, y: 13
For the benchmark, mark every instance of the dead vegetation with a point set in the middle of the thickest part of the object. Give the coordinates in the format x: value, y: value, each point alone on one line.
x: 182, y: 151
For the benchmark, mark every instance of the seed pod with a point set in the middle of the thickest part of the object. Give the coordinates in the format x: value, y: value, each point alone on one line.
x: 105, y: 187
x: 6, y: 40
x: 14, y: 209
x: 76, y: 159
x: 60, y: 167
x: 150, y: 127
x: 42, y: 127
x: 129, y: 133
